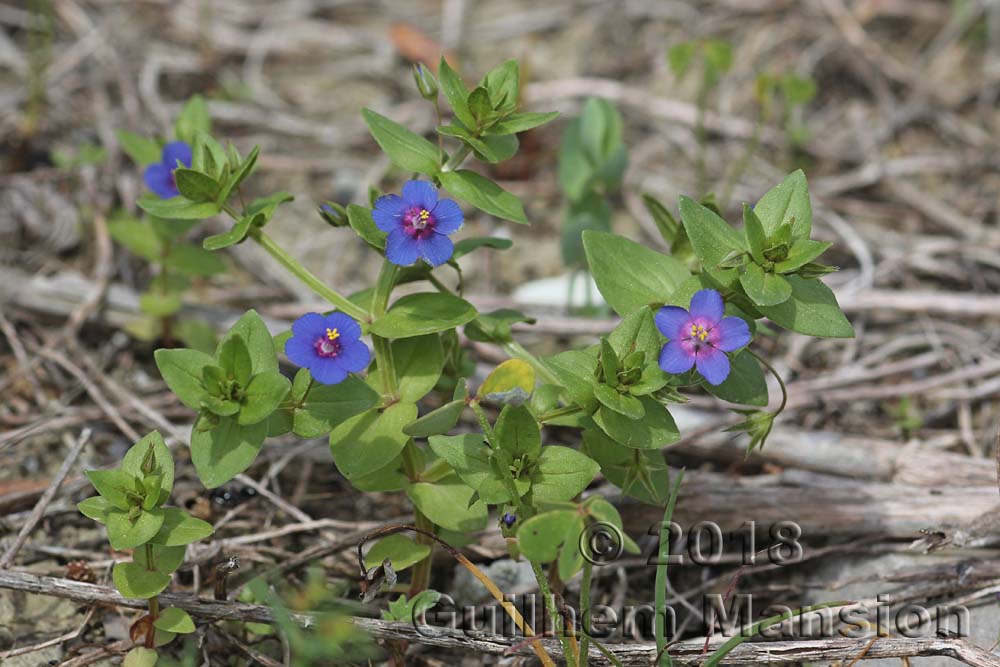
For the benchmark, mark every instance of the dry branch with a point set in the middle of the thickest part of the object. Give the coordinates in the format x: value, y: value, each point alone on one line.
x: 686, y: 653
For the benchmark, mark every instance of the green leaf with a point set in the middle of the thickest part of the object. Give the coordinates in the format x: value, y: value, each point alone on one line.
x: 234, y: 235
x: 746, y: 383
x: 456, y: 92
x: 174, y: 620
x: 263, y: 394
x: 367, y: 442
x: 254, y: 332
x: 140, y: 657
x: 178, y: 208
x: 628, y: 405
x: 165, y: 559
x: 225, y: 451
x: 326, y: 406
x: 233, y: 358
x: 159, y: 304
x: 405, y: 148
x: 469, y: 456
x: 139, y: 237
x: 540, y: 537
x: 437, y: 421
x: 637, y: 332
x: 787, y: 202
x: 153, y: 446
x: 142, y: 150
x: 180, y: 528
x: 503, y: 82
x: 96, y: 508
x: 679, y: 57
x: 641, y: 474
x: 656, y: 429
x: 571, y: 555
x: 401, y: 551
x: 498, y: 148
x: 756, y: 237
x: 801, y: 253
x: 134, y: 581
x: 521, y: 122
x: 261, y: 210
x: 560, y: 473
x: 465, y: 246
x: 244, y: 170
x: 112, y: 485
x: 812, y: 310
x: 718, y: 54
x: 517, y: 433
x: 484, y: 194
x: 419, y: 361
x: 362, y: 223
x: 575, y: 370
x: 764, y: 289
x: 127, y: 534
x: 195, y: 185
x: 495, y: 326
x: 513, y: 381
x: 182, y: 371
x: 711, y: 236
x: 423, y: 313
x: 194, y: 261
x: 446, y: 504
x: 630, y: 275
x: 193, y: 119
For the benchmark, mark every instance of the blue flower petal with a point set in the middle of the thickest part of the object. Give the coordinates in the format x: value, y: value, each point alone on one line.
x: 713, y: 364
x: 733, y: 334
x: 301, y: 351
x: 400, y: 248
x: 388, y: 212
x: 671, y: 320
x: 327, y: 371
x: 309, y: 327
x: 707, y: 304
x: 448, y: 217
x: 354, y: 357
x: 176, y: 151
x: 436, y: 249
x: 420, y: 193
x: 673, y: 358
x: 160, y: 180
x: 345, y: 325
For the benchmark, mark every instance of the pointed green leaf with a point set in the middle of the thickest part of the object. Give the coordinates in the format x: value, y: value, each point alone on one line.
x: 174, y: 620
x: 764, y: 289
x: 812, y: 310
x: 180, y: 528
x: 225, y: 451
x: 182, y: 371
x: 405, y: 148
x: 787, y: 203
x: 484, y: 194
x: 423, y: 313
x: 561, y: 473
x: 263, y: 394
x: 711, y: 236
x: 630, y: 275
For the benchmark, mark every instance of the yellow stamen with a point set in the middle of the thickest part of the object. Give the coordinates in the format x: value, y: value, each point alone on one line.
x: 424, y: 214
x: 332, y: 334
x: 699, y: 332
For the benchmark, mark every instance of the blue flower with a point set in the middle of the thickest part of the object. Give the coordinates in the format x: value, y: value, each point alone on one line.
x: 700, y: 337
x: 329, y: 346
x: 159, y: 177
x: 418, y: 224
x: 508, y: 519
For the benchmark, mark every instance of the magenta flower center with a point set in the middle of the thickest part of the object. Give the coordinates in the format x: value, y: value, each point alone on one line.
x: 418, y: 222
x: 699, y: 335
x: 328, y: 346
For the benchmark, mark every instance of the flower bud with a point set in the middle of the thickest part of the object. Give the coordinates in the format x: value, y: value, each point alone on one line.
x: 426, y: 83
x: 334, y: 214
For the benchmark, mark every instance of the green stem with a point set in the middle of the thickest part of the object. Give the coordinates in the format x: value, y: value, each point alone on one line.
x: 660, y: 592
x: 154, y: 602
x: 559, y: 412
x: 781, y: 382
x: 384, y: 284
x: 588, y: 572
x: 306, y: 276
x: 455, y: 161
x: 516, y: 350
x: 421, y: 571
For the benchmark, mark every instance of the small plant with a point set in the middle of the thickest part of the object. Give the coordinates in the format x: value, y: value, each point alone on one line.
x: 688, y: 321
x: 715, y: 58
x: 592, y: 162
x: 175, y: 262
x: 131, y: 507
